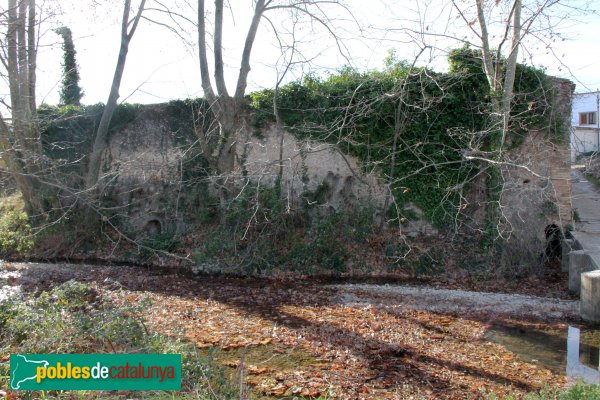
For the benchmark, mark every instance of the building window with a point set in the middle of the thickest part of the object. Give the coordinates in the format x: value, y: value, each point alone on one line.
x: 588, y: 118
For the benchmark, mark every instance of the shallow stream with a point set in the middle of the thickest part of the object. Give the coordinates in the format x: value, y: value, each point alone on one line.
x: 574, y: 351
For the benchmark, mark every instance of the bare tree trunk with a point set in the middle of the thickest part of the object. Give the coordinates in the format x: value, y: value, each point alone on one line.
x: 488, y: 61
x: 21, y: 140
x: 32, y: 57
x: 501, y: 89
x: 219, y: 72
x: 27, y: 58
x: 501, y: 78
x: 511, y: 68
x: 204, y: 72
x: 22, y: 62
x: 245, y: 66
x: 101, y: 139
x: 12, y: 62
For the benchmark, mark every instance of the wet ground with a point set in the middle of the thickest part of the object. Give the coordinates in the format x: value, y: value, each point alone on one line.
x: 573, y: 351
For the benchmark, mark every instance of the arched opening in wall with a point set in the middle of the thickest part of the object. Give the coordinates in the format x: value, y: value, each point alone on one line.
x: 153, y: 227
x: 554, y: 238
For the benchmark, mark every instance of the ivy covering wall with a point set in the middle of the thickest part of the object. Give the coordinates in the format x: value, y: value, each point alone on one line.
x: 438, y: 118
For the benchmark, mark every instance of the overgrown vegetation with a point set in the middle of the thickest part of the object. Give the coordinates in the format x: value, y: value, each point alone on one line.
x: 15, y: 230
x: 258, y: 235
x: 70, y: 91
x: 440, y: 117
x: 75, y: 318
x: 405, y: 122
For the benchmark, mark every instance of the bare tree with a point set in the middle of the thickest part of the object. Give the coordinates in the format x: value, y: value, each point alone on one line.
x: 500, y: 73
x: 20, y: 139
x: 128, y: 28
x: 227, y: 109
x: 503, y: 31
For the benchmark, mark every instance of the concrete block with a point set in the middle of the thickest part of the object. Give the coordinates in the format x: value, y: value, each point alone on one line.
x: 567, y: 246
x: 579, y: 262
x: 590, y: 296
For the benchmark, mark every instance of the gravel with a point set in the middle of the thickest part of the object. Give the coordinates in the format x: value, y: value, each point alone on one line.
x: 457, y: 301
x: 362, y: 295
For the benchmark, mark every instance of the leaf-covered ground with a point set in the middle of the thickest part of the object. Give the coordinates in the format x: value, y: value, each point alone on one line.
x: 289, y: 337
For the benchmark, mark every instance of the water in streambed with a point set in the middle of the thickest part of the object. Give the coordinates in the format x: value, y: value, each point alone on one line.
x: 574, y: 352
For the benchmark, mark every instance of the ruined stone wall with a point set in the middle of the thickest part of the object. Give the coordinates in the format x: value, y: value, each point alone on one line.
x: 537, y: 186
x: 141, y: 176
x: 561, y: 159
x: 143, y: 170
x: 309, y: 166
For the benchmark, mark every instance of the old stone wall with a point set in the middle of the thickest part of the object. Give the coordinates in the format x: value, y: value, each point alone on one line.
x: 310, y: 166
x: 537, y: 187
x: 143, y: 175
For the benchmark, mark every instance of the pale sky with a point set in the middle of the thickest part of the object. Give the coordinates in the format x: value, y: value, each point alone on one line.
x: 161, y: 66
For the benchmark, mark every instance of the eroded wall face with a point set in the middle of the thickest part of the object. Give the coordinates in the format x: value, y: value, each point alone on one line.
x: 141, y: 175
x: 147, y: 173
x: 309, y: 166
x: 145, y: 178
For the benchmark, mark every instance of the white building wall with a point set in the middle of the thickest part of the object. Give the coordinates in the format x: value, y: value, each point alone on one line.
x: 583, y: 141
x: 584, y: 138
x: 584, y: 102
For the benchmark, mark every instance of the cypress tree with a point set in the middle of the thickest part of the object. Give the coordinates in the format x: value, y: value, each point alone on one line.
x: 70, y: 92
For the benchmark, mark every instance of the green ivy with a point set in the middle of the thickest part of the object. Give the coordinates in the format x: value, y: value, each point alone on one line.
x: 70, y: 91
x: 441, y: 113
x: 68, y: 131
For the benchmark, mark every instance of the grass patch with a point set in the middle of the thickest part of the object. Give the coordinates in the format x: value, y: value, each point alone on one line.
x: 75, y: 318
x: 579, y: 391
x: 592, y: 179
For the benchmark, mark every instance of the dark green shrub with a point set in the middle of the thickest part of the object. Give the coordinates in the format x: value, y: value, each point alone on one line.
x: 167, y: 241
x: 15, y: 231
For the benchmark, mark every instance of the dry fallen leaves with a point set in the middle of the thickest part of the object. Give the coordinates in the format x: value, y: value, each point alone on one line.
x: 310, y: 343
